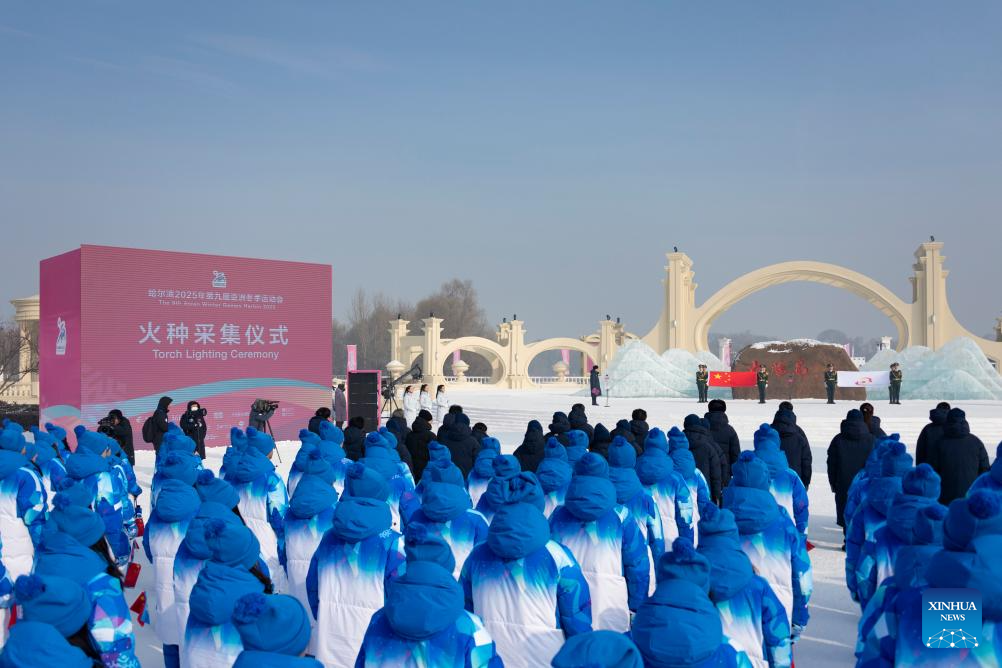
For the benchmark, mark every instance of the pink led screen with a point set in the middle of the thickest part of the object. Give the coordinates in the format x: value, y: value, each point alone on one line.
x: 121, y: 327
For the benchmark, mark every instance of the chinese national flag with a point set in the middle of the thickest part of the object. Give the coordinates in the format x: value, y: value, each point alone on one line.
x: 732, y: 378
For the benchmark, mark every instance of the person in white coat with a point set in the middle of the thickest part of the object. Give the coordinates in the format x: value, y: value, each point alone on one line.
x: 424, y: 398
x: 411, y: 405
x: 441, y: 404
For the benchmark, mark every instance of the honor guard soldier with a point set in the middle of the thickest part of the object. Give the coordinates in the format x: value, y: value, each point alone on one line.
x: 702, y: 379
x: 762, y: 380
x: 831, y: 382
x: 895, y: 388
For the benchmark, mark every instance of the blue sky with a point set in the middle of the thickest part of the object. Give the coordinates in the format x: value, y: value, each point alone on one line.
x: 552, y: 152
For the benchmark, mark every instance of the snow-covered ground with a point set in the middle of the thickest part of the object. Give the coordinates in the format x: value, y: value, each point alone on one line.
x: 831, y: 634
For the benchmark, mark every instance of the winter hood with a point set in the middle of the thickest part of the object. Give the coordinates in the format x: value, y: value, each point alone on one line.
x: 312, y: 496
x: 10, y: 461
x: 677, y: 626
x: 331, y: 433
x: 748, y: 495
x: 217, y: 590
x: 656, y: 440
x: 654, y: 466
x: 719, y: 542
x: 310, y: 461
x: 424, y: 600
x: 177, y: 501
x: 358, y: 518
x: 622, y: 470
x: 252, y: 466
x: 590, y: 494
x: 561, y: 424
x: 517, y: 530
x: 443, y: 501
x: 62, y: 555
x: 554, y: 472
x: 84, y: 463
x: 605, y: 649
x: 483, y: 467
x: 853, y: 427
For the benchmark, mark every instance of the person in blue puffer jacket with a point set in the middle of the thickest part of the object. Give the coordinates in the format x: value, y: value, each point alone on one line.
x: 441, y: 457
x: 598, y: 648
x: 785, y: 485
x: 685, y: 465
x: 381, y: 456
x: 192, y: 555
x: 310, y: 516
x: 46, y: 458
x: 878, y: 627
x: 274, y: 630
x: 176, y: 507
x: 22, y: 514
x: 577, y: 445
x: 483, y: 469
x: 870, y: 517
x: 424, y: 615
x: 606, y: 542
x: 211, y: 639
x: 554, y: 474
x: 678, y: 627
x: 630, y: 494
x: 74, y: 547
x: 527, y: 588
x: 753, y: 618
x: 263, y: 502
x: 233, y: 453
x: 657, y: 474
x: 40, y: 644
x: 919, y: 488
x: 445, y: 512
x: 869, y: 472
x: 121, y: 466
x: 107, y: 497
x: 309, y: 441
x: 769, y: 538
x: 972, y: 541
x: 506, y: 467
x: 174, y: 465
x: 992, y: 479
x: 357, y: 556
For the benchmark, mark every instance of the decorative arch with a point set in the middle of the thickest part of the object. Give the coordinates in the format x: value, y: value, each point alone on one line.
x: 812, y: 272
x: 533, y: 350
x: 491, y: 350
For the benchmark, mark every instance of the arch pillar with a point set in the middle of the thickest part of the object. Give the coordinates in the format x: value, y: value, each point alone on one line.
x: 433, y: 362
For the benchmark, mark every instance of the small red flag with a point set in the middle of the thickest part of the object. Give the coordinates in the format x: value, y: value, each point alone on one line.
x: 810, y: 545
x: 139, y: 607
x: 732, y: 379
x: 132, y: 575
x: 13, y: 616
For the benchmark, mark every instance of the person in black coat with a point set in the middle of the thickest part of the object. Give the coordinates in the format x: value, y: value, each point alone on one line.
x: 847, y: 455
x: 459, y: 439
x: 530, y: 453
x: 579, y: 421
x: 121, y: 430
x: 872, y: 421
x: 354, y: 438
x: 601, y: 441
x: 706, y: 453
x: 723, y: 434
x: 787, y: 406
x: 323, y: 414
x: 559, y: 428
x: 959, y: 457
x: 480, y: 432
x: 623, y: 429
x: 397, y: 426
x: 159, y: 422
x: 639, y: 426
x: 796, y: 446
x: 192, y: 423
x: 447, y: 420
x: 595, y: 385
x: 417, y: 442
x: 931, y: 434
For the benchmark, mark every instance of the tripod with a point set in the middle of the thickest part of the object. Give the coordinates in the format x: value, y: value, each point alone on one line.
x: 389, y: 392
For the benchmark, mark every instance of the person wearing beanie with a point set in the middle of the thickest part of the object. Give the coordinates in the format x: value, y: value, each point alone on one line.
x: 440, y: 469
x: 600, y: 440
x: 959, y: 457
x: 176, y: 506
x: 24, y: 497
x: 639, y: 426
x: 872, y: 516
x: 458, y: 437
x: 768, y: 537
x: 559, y: 426
x: 354, y: 438
x: 482, y: 473
x: 785, y: 485
x: 381, y: 456
x: 598, y: 648
x: 274, y: 631
x: 446, y: 514
x: 530, y: 453
x: 578, y: 419
x: 61, y: 439
x: 657, y: 474
x: 310, y: 516
x: 622, y: 428
x: 685, y: 466
x: 606, y: 542
x: 847, y: 454
x: 794, y: 444
x: 310, y: 442
x: 217, y: 490
x: 417, y: 442
x: 706, y: 452
x: 192, y: 554
x: 752, y: 616
x: 527, y: 588
x: 128, y: 490
x: 59, y: 602
x: 233, y: 453
x: 991, y: 479
x: 891, y: 625
x: 678, y: 627
x: 174, y: 465
x: 46, y: 459
x: 424, y: 615
x: 932, y: 433
x: 402, y: 455
x: 505, y: 468
x: 346, y: 580
x: 640, y: 505
x: 398, y: 426
x: 724, y: 435
x: 554, y: 475
x: 231, y: 570
x: 38, y: 644
x: 263, y: 504
x: 331, y: 433
x: 576, y: 444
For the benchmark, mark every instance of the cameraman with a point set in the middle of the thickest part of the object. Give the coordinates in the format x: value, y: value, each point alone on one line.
x: 261, y: 412
x: 192, y: 423
x: 121, y: 431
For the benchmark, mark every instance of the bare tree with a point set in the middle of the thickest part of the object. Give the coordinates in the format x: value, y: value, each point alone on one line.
x: 15, y: 345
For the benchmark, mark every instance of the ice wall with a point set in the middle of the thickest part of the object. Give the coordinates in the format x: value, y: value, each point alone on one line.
x: 638, y: 371
x: 957, y: 371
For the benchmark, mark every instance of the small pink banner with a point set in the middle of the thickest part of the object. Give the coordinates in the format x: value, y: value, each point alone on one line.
x: 352, y: 357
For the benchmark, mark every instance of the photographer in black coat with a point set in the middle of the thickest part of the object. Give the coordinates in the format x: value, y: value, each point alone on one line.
x: 158, y: 423
x: 121, y: 431
x: 260, y: 413
x: 193, y: 425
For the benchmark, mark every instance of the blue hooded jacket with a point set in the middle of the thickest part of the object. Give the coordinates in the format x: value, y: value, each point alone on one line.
x: 599, y: 648
x: 786, y: 486
x: 685, y: 466
x: 992, y: 479
x: 668, y: 488
x: 210, y: 634
x: 445, y: 512
x: 554, y: 474
x: 630, y: 494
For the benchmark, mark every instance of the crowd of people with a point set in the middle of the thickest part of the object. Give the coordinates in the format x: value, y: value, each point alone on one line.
x: 634, y: 546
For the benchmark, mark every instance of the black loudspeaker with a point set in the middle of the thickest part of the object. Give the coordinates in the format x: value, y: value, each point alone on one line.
x: 363, y: 397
